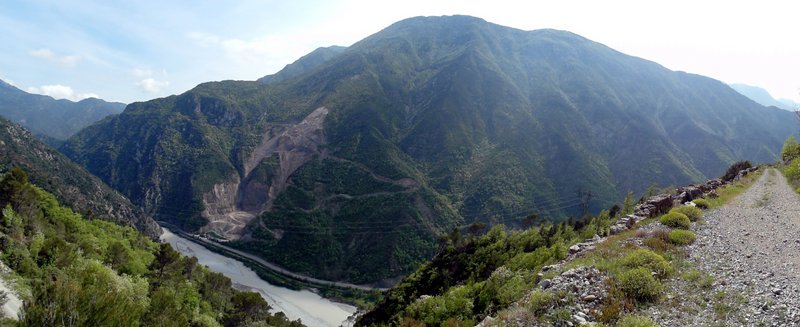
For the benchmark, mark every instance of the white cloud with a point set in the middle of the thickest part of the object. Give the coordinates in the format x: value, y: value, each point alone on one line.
x: 141, y: 72
x: 263, y: 51
x: 59, y: 91
x: 150, y: 85
x: 49, y: 55
x: 43, y: 54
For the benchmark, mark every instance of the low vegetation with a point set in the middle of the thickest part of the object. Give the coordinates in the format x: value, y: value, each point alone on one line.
x: 692, y: 212
x: 701, y: 203
x: 636, y: 321
x: 682, y: 237
x: 676, y: 220
x: 498, y: 274
x: 96, y: 273
x: 791, y: 162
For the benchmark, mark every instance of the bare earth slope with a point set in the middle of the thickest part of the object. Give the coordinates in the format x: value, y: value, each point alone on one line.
x: 750, y: 246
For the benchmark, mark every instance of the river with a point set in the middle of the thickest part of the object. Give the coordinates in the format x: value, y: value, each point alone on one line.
x: 311, y: 308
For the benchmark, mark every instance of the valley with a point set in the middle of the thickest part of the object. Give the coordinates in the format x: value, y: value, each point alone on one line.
x: 440, y: 171
x: 310, y: 308
x: 352, y: 163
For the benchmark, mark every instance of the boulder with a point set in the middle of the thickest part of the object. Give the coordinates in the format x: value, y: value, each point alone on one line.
x: 662, y: 203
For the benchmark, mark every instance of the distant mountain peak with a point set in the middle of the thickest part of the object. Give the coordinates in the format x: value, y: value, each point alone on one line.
x: 50, y: 119
x: 430, y: 124
x: 762, y: 96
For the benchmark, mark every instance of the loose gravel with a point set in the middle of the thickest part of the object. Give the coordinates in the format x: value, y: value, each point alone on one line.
x: 749, y: 248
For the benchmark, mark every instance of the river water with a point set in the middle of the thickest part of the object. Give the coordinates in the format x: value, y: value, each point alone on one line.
x: 311, y: 308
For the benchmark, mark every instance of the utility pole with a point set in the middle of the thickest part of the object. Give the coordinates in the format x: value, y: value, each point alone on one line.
x: 586, y: 197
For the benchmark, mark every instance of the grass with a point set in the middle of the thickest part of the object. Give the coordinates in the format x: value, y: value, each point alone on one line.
x: 729, y: 192
x: 692, y: 212
x: 682, y: 237
x: 632, y: 285
x: 676, y: 220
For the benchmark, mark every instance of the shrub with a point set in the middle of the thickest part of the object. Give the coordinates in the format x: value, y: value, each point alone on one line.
x: 701, y: 203
x: 540, y: 301
x: 653, y: 262
x: 658, y: 244
x: 682, y: 237
x: 640, y: 284
x: 636, y: 321
x: 792, y: 170
x: 693, y: 213
x: 734, y: 170
x: 676, y: 220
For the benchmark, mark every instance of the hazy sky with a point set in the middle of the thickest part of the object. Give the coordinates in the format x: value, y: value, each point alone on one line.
x: 138, y: 50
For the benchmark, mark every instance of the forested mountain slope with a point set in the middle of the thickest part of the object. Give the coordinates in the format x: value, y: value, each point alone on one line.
x: 350, y: 166
x: 69, y: 182
x: 87, y: 272
x: 51, y: 119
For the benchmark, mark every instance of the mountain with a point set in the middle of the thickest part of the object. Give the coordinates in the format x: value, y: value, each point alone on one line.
x: 69, y: 182
x: 763, y: 97
x: 351, y: 167
x: 53, y: 120
x: 304, y: 64
x: 87, y: 272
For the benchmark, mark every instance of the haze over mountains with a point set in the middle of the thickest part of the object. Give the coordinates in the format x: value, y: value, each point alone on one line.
x: 350, y: 162
x: 50, y: 119
x: 763, y: 97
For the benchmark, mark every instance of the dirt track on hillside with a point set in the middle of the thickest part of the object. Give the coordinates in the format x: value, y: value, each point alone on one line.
x: 751, y: 248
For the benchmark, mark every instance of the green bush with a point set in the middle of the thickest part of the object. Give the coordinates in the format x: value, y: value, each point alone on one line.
x: 636, y: 321
x: 649, y: 260
x: 734, y: 170
x: 791, y: 149
x: 701, y: 203
x: 676, y: 220
x: 640, y: 284
x: 658, y: 244
x: 693, y: 213
x: 682, y: 237
x: 540, y: 301
x: 792, y: 170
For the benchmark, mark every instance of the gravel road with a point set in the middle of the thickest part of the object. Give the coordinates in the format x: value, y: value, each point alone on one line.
x: 750, y: 248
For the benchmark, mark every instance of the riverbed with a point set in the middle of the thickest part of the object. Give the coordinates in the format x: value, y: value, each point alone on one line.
x: 311, y: 308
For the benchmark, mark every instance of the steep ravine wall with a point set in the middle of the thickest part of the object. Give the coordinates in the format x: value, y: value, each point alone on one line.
x: 231, y: 205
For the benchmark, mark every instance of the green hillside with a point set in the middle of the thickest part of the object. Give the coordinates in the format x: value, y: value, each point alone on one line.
x: 69, y: 182
x: 350, y: 166
x: 83, y: 272
x: 52, y: 120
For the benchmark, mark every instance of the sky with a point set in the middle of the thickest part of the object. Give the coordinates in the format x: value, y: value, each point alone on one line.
x: 130, y: 51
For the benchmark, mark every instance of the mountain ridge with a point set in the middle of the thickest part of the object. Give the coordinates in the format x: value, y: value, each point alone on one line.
x: 52, y: 120
x: 763, y: 97
x: 485, y: 123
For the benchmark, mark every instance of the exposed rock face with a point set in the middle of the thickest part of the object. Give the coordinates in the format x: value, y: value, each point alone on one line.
x: 230, y: 206
x: 689, y: 193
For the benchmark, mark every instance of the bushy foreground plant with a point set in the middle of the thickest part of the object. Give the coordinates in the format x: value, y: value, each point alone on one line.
x: 653, y: 262
x: 636, y: 321
x: 693, y: 213
x: 676, y: 220
x: 682, y: 237
x: 701, y: 203
x: 640, y: 284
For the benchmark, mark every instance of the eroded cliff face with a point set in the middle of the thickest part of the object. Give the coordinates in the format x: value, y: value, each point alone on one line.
x: 231, y: 205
